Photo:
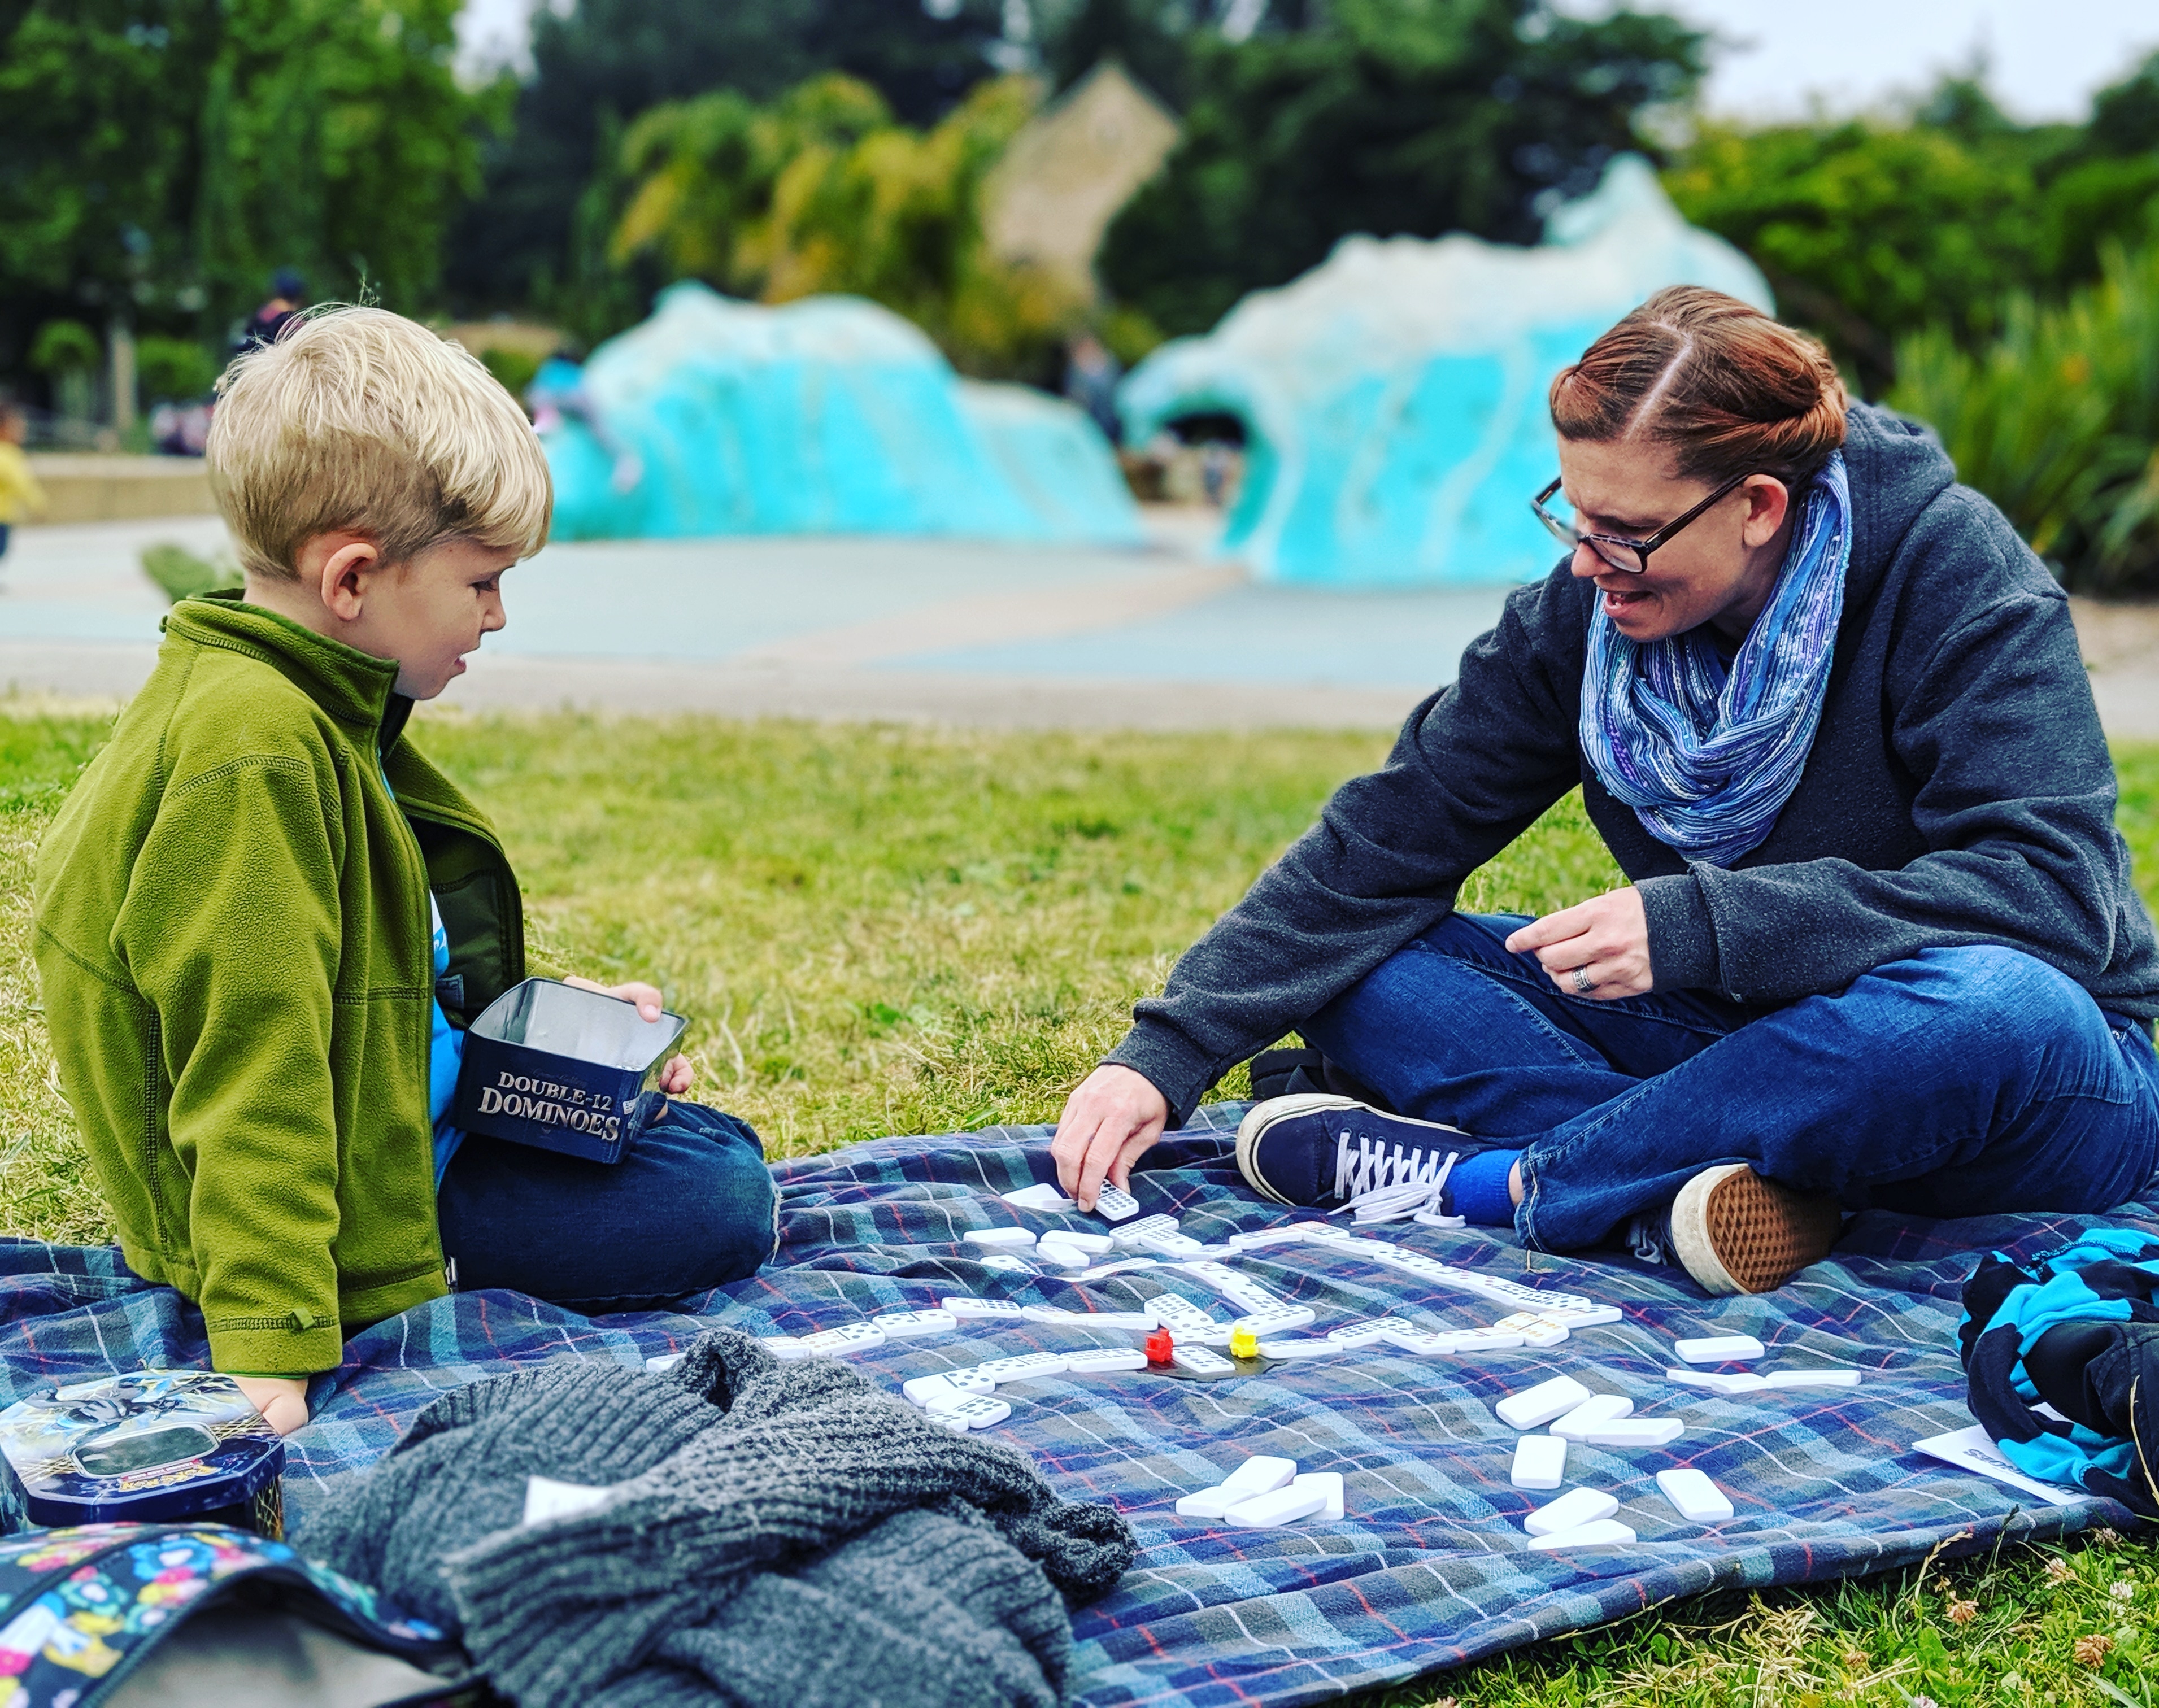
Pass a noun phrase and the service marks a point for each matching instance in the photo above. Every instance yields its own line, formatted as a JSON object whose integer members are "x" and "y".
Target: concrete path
{"x": 859, "y": 629}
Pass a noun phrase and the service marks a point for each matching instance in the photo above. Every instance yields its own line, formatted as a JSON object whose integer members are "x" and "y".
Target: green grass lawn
{"x": 883, "y": 930}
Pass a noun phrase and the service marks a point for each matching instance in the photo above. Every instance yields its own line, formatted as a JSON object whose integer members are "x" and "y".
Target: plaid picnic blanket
{"x": 1428, "y": 1570}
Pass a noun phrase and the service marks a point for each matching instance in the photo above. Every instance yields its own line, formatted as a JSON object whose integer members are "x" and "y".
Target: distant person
{"x": 557, "y": 393}
{"x": 1879, "y": 947}
{"x": 1091, "y": 375}
{"x": 289, "y": 293}
{"x": 21, "y": 498}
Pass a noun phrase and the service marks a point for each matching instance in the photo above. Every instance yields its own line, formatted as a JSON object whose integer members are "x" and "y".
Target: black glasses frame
{"x": 1571, "y": 536}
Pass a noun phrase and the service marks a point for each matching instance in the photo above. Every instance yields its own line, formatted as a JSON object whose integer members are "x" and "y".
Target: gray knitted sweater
{"x": 774, "y": 1534}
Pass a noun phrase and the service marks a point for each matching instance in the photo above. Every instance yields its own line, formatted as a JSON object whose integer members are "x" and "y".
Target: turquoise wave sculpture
{"x": 1393, "y": 398}
{"x": 828, "y": 416}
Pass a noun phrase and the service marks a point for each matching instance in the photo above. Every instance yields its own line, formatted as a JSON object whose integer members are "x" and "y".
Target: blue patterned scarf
{"x": 1707, "y": 758}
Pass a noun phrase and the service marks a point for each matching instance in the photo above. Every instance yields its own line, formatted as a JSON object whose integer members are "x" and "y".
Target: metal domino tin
{"x": 152, "y": 1447}
{"x": 565, "y": 1069}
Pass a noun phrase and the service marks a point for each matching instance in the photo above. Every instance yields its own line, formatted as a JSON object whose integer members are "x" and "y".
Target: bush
{"x": 181, "y": 574}
{"x": 174, "y": 370}
{"x": 513, "y": 369}
{"x": 65, "y": 347}
{"x": 2057, "y": 420}
{"x": 822, "y": 191}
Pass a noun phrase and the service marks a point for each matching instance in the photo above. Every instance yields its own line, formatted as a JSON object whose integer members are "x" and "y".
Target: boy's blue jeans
{"x": 1963, "y": 1082}
{"x": 691, "y": 1207}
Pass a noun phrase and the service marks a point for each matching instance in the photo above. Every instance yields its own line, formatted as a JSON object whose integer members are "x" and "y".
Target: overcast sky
{"x": 2046, "y": 56}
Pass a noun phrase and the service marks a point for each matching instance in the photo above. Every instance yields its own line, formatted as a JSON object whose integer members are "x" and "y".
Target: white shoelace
{"x": 1378, "y": 1187}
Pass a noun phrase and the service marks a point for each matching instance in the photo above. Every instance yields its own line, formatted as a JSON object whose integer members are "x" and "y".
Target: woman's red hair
{"x": 1731, "y": 391}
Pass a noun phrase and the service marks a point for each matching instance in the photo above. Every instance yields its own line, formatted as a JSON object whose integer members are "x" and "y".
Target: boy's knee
{"x": 727, "y": 1205}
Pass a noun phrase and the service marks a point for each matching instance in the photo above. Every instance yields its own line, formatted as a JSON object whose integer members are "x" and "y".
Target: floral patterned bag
{"x": 80, "y": 1609}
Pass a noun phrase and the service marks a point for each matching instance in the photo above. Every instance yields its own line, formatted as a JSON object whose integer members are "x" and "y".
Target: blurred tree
{"x": 1869, "y": 230}
{"x": 823, "y": 191}
{"x": 158, "y": 157}
{"x": 1385, "y": 116}
{"x": 539, "y": 233}
{"x": 2057, "y": 420}
{"x": 1151, "y": 37}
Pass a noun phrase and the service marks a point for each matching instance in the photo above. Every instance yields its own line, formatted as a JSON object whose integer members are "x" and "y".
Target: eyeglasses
{"x": 1631, "y": 556}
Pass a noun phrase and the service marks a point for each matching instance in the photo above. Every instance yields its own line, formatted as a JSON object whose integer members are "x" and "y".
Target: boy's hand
{"x": 674, "y": 1077}
{"x": 282, "y": 1400}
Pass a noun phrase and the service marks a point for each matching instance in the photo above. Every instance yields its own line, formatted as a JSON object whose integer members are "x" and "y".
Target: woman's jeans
{"x": 1963, "y": 1082}
{"x": 690, "y": 1208}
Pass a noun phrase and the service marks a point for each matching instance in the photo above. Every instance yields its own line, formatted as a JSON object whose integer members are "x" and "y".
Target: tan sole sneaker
{"x": 1738, "y": 1233}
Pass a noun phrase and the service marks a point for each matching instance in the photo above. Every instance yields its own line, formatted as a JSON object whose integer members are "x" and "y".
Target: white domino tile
{"x": 1282, "y": 1506}
{"x": 1261, "y": 1472}
{"x": 1718, "y": 1349}
{"x": 834, "y": 1343}
{"x": 1593, "y": 1413}
{"x": 977, "y": 1411}
{"x": 1199, "y": 1361}
{"x": 1576, "y": 1508}
{"x": 1540, "y": 1462}
{"x": 969, "y": 1310}
{"x": 1104, "y": 1362}
{"x": 906, "y": 1325}
{"x": 1329, "y": 1484}
{"x": 1113, "y": 1204}
{"x": 1812, "y": 1378}
{"x": 1095, "y": 1244}
{"x": 1605, "y": 1533}
{"x": 1694, "y": 1497}
{"x": 1129, "y": 1235}
{"x": 1535, "y": 1330}
{"x": 1000, "y": 1239}
{"x": 1536, "y": 1406}
{"x": 1635, "y": 1432}
{"x": 1044, "y": 1195}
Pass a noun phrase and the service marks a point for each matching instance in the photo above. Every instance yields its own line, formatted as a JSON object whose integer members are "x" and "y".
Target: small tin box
{"x": 152, "y": 1446}
{"x": 566, "y": 1069}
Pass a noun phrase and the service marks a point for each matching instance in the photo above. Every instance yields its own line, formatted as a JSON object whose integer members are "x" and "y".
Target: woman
{"x": 1880, "y": 948}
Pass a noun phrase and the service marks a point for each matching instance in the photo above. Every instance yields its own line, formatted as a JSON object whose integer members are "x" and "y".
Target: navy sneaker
{"x": 1316, "y": 1148}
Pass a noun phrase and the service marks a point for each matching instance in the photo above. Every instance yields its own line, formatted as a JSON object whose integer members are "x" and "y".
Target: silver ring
{"x": 1582, "y": 982}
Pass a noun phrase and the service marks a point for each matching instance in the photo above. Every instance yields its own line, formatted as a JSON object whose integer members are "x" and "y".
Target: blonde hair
{"x": 357, "y": 419}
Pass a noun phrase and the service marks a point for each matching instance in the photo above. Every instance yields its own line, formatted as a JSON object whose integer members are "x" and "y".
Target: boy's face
{"x": 429, "y": 613}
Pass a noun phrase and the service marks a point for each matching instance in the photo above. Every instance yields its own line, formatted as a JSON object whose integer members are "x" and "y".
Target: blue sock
{"x": 1478, "y": 1186}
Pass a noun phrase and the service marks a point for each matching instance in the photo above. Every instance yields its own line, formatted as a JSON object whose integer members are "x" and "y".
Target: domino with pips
{"x": 1113, "y": 1204}
{"x": 976, "y": 1411}
{"x": 849, "y": 1337}
{"x": 906, "y": 1325}
{"x": 969, "y": 1310}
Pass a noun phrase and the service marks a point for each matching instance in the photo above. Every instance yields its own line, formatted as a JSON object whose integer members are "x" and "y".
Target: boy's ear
{"x": 345, "y": 575}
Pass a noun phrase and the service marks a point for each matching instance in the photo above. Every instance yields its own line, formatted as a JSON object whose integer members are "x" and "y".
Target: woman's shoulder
{"x": 1914, "y": 526}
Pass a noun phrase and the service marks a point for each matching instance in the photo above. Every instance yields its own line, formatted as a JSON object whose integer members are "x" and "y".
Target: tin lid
{"x": 147, "y": 1443}
{"x": 579, "y": 1026}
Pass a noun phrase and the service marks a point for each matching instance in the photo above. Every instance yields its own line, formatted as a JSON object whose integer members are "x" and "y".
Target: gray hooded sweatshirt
{"x": 1958, "y": 792}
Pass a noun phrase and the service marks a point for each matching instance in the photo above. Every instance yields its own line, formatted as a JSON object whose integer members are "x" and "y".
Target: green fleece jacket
{"x": 233, "y": 936}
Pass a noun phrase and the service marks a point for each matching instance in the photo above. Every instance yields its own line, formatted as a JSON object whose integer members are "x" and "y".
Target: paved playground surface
{"x": 850, "y": 628}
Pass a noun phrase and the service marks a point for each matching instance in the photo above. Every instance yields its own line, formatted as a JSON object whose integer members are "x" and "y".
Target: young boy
{"x": 262, "y": 916}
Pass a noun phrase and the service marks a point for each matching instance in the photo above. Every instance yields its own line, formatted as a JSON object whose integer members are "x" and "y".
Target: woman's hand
{"x": 1108, "y": 1124}
{"x": 282, "y": 1400}
{"x": 1609, "y": 938}
{"x": 674, "y": 1077}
